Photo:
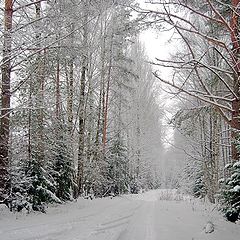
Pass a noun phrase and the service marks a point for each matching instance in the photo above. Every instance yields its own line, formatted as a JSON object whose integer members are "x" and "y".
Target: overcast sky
{"x": 161, "y": 45}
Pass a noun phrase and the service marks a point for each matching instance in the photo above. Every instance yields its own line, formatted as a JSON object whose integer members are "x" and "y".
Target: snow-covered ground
{"x": 154, "y": 215}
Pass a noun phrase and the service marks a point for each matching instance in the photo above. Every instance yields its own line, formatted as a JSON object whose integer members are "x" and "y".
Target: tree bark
{"x": 81, "y": 142}
{"x": 70, "y": 95}
{"x": 70, "y": 81}
{"x": 102, "y": 80}
{"x": 58, "y": 90}
{"x": 39, "y": 95}
{"x": 5, "y": 99}
{"x": 235, "y": 122}
{"x": 105, "y": 122}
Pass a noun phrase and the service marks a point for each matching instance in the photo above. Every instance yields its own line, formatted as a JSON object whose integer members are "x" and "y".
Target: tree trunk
{"x": 58, "y": 90}
{"x": 107, "y": 99}
{"x": 82, "y": 103}
{"x": 89, "y": 140}
{"x": 39, "y": 95}
{"x": 235, "y": 123}
{"x": 102, "y": 81}
{"x": 70, "y": 80}
{"x": 5, "y": 101}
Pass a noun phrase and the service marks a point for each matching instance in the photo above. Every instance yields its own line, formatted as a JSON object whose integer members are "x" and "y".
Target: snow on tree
{"x": 230, "y": 193}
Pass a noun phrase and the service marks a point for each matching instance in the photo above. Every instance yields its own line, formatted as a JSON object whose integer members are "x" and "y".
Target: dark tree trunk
{"x": 70, "y": 96}
{"x": 5, "y": 100}
{"x": 81, "y": 142}
{"x": 235, "y": 122}
{"x": 58, "y": 90}
{"x": 70, "y": 80}
{"x": 105, "y": 121}
{"x": 39, "y": 95}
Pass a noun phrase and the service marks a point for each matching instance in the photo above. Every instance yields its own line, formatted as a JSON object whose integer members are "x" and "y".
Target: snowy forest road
{"x": 147, "y": 216}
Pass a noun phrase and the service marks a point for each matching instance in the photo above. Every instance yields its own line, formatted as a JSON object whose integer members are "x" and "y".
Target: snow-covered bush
{"x": 193, "y": 179}
{"x": 42, "y": 187}
{"x": 170, "y": 195}
{"x": 62, "y": 168}
{"x": 230, "y": 194}
{"x": 118, "y": 176}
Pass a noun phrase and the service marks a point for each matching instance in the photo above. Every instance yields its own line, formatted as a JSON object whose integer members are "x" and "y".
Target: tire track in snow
{"x": 141, "y": 226}
{"x": 112, "y": 228}
{"x": 57, "y": 226}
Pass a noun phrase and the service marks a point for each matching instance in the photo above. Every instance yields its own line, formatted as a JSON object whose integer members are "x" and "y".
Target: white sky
{"x": 157, "y": 45}
{"x": 161, "y": 45}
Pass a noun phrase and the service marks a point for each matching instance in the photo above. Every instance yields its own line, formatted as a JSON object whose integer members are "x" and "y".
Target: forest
{"x": 81, "y": 113}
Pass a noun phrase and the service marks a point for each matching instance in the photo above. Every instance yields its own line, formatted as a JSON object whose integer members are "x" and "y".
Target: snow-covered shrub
{"x": 117, "y": 175}
{"x": 41, "y": 188}
{"x": 230, "y": 194}
{"x": 193, "y": 179}
{"x": 134, "y": 186}
{"x": 170, "y": 195}
{"x": 63, "y": 171}
{"x": 32, "y": 187}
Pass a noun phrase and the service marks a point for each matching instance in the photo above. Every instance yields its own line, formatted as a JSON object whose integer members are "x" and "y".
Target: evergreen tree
{"x": 63, "y": 169}
{"x": 41, "y": 187}
{"x": 230, "y": 194}
{"x": 118, "y": 167}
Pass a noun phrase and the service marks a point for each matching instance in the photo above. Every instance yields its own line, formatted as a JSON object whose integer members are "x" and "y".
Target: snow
{"x": 236, "y": 164}
{"x": 153, "y": 215}
{"x": 229, "y": 165}
{"x": 49, "y": 193}
{"x": 236, "y": 188}
{"x": 209, "y": 227}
